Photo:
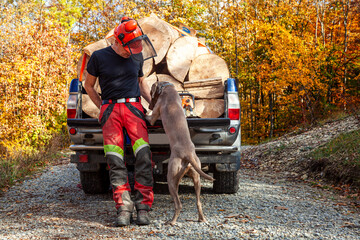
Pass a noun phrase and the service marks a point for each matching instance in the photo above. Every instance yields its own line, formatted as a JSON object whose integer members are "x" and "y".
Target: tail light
{"x": 233, "y": 106}
{"x": 72, "y": 131}
{"x": 71, "y": 106}
{"x": 232, "y": 130}
{"x": 71, "y": 113}
{"x": 234, "y": 114}
{"x": 73, "y": 98}
{"x": 83, "y": 158}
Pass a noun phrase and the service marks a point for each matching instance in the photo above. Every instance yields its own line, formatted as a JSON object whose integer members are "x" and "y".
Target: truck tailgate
{"x": 192, "y": 122}
{"x": 209, "y": 132}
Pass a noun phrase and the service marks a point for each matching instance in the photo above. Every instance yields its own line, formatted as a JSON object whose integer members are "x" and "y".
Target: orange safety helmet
{"x": 132, "y": 38}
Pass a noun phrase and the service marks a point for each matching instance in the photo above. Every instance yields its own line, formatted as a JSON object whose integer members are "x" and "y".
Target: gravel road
{"x": 51, "y": 205}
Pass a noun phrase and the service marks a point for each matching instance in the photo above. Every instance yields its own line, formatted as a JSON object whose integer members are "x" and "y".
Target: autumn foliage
{"x": 296, "y": 61}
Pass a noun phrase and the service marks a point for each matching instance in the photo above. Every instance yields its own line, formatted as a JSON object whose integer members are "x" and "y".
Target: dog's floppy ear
{"x": 157, "y": 85}
{"x": 154, "y": 93}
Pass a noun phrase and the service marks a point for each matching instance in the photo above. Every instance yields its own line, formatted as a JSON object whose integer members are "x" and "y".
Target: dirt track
{"x": 52, "y": 206}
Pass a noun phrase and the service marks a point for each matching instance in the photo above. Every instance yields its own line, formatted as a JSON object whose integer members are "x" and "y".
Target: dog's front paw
{"x": 172, "y": 223}
{"x": 202, "y": 219}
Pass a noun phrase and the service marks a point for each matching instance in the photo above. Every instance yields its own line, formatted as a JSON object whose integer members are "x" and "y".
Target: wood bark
{"x": 206, "y": 88}
{"x": 96, "y": 46}
{"x": 187, "y": 29}
{"x": 110, "y": 37}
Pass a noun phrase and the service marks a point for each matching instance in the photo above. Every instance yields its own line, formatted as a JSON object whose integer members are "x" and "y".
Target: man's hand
{"x": 89, "y": 87}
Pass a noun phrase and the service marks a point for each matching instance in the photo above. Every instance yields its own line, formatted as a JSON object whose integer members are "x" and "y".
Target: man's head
{"x": 128, "y": 34}
{"x": 119, "y": 49}
{"x": 131, "y": 37}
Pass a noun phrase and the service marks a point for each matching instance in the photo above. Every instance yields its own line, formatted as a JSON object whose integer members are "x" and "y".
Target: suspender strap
{"x": 135, "y": 111}
{"x": 106, "y": 114}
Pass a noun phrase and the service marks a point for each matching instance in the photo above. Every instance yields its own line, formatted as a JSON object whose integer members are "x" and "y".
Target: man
{"x": 119, "y": 69}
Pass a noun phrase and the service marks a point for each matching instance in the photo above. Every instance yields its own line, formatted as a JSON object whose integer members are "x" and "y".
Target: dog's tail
{"x": 198, "y": 169}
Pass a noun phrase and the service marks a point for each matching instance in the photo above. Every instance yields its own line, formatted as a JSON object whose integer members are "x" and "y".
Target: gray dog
{"x": 166, "y": 103}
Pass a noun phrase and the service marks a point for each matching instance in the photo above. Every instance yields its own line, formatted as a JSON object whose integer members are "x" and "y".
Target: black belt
{"x": 121, "y": 100}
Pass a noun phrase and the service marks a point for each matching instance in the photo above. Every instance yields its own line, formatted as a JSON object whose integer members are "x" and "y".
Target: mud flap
{"x": 232, "y": 166}
{"x": 88, "y": 167}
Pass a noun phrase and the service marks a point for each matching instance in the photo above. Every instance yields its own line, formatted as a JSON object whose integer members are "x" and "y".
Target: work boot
{"x": 142, "y": 217}
{"x": 123, "y": 218}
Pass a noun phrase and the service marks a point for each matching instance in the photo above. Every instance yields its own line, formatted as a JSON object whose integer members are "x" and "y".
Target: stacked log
{"x": 182, "y": 59}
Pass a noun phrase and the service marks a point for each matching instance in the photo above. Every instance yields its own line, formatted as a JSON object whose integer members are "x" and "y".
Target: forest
{"x": 296, "y": 61}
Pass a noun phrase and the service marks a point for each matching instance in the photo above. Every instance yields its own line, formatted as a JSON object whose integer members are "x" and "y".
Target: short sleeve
{"x": 93, "y": 66}
{"x": 141, "y": 73}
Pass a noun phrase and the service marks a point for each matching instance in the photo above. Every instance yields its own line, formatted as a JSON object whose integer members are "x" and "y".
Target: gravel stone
{"x": 51, "y": 205}
{"x": 272, "y": 202}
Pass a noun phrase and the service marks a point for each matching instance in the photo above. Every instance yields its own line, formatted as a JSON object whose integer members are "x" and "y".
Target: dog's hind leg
{"x": 197, "y": 185}
{"x": 195, "y": 162}
{"x": 175, "y": 172}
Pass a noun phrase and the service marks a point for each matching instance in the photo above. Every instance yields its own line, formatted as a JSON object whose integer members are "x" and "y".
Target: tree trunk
{"x": 209, "y": 108}
{"x": 208, "y": 66}
{"x": 160, "y": 34}
{"x": 206, "y": 88}
{"x": 89, "y": 107}
{"x": 201, "y": 50}
{"x": 96, "y": 46}
{"x": 148, "y": 67}
{"x": 271, "y": 116}
{"x": 180, "y": 55}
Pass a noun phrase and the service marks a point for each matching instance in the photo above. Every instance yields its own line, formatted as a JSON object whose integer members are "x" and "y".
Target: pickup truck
{"x": 217, "y": 143}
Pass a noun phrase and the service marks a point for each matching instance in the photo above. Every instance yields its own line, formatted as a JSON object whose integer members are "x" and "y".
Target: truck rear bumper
{"x": 227, "y": 149}
{"x": 223, "y": 162}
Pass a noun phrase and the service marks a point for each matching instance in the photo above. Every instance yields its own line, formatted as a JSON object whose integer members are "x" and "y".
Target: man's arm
{"x": 89, "y": 87}
{"x": 144, "y": 89}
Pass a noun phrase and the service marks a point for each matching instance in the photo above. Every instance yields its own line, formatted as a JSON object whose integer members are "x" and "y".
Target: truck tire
{"x": 95, "y": 182}
{"x": 226, "y": 182}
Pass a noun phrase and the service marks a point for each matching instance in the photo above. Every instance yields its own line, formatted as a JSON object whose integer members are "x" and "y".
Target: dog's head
{"x": 156, "y": 90}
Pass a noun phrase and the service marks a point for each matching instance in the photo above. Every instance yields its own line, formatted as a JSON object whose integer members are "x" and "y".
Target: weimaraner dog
{"x": 166, "y": 103}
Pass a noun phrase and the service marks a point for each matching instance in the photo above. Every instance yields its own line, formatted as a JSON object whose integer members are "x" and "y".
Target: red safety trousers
{"x": 114, "y": 118}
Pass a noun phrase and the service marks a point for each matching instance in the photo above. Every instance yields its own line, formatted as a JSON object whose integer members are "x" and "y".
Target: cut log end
{"x": 180, "y": 56}
{"x": 208, "y": 66}
{"x": 209, "y": 108}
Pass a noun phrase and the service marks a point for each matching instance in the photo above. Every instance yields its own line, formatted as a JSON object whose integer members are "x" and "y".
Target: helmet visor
{"x": 141, "y": 44}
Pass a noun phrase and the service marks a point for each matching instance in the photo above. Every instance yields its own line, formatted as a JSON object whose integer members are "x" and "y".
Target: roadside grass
{"x": 18, "y": 166}
{"x": 338, "y": 161}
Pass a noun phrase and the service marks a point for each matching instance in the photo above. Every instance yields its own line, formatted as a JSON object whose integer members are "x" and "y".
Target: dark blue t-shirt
{"x": 118, "y": 76}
